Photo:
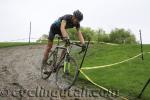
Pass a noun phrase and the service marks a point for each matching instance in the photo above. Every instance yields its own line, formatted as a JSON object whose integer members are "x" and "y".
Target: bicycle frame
{"x": 64, "y": 64}
{"x": 64, "y": 55}
{"x": 66, "y": 50}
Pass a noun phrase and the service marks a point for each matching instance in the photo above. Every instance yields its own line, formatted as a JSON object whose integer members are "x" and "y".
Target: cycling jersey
{"x": 55, "y": 27}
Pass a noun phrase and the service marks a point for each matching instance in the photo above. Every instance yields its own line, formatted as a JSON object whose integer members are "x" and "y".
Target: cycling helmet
{"x": 78, "y": 15}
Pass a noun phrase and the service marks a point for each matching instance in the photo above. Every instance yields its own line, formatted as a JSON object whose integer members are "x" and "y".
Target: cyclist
{"x": 59, "y": 27}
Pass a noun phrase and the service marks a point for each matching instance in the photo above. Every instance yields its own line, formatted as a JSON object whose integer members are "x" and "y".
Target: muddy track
{"x": 20, "y": 76}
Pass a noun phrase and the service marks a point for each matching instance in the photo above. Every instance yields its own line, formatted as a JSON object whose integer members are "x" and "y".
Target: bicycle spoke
{"x": 67, "y": 74}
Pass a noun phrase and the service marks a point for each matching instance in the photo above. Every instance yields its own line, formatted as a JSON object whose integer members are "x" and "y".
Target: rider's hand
{"x": 83, "y": 47}
{"x": 65, "y": 39}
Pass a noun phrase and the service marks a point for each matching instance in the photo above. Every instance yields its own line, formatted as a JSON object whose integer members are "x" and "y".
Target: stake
{"x": 30, "y": 32}
{"x": 143, "y": 89}
{"x": 141, "y": 45}
{"x": 85, "y": 53}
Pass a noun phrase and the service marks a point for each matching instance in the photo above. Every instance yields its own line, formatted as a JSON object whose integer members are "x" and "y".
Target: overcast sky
{"x": 15, "y": 16}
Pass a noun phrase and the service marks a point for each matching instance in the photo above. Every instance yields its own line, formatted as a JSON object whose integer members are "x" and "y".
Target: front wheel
{"x": 67, "y": 73}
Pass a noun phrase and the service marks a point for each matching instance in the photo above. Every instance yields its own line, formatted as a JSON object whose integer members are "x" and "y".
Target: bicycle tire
{"x": 53, "y": 58}
{"x": 60, "y": 79}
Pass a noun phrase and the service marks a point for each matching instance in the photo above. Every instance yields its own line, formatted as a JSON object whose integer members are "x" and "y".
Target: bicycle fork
{"x": 66, "y": 65}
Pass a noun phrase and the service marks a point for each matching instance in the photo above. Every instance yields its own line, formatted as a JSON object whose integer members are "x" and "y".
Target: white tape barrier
{"x": 86, "y": 68}
{"x": 101, "y": 86}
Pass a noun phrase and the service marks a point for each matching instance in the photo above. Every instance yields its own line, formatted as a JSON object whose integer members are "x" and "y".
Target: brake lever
{"x": 81, "y": 51}
{"x": 78, "y": 44}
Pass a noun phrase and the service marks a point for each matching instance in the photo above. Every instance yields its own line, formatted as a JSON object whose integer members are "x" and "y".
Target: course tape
{"x": 100, "y": 86}
{"x": 86, "y": 68}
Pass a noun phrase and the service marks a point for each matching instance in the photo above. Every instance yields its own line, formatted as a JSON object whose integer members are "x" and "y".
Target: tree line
{"x": 117, "y": 35}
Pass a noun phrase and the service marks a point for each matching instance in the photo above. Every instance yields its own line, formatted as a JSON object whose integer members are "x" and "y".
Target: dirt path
{"x": 20, "y": 76}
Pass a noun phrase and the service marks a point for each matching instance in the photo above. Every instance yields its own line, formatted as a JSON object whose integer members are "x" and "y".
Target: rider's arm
{"x": 80, "y": 36}
{"x": 62, "y": 28}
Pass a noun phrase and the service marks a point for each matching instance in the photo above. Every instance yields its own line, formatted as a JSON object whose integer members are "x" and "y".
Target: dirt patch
{"x": 20, "y": 76}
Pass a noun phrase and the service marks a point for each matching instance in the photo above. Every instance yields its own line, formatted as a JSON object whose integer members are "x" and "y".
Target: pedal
{"x": 47, "y": 72}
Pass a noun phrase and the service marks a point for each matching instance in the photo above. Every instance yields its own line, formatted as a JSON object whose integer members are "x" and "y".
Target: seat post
{"x": 58, "y": 38}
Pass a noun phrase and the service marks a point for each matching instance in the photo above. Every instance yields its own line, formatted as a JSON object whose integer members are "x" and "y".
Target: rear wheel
{"x": 67, "y": 73}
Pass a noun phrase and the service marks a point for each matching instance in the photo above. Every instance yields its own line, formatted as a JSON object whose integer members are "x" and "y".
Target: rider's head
{"x": 78, "y": 16}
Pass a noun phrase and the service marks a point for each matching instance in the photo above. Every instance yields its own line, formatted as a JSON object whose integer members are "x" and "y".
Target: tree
{"x": 72, "y": 33}
{"x": 86, "y": 31}
{"x": 122, "y": 36}
{"x": 44, "y": 37}
{"x": 102, "y": 36}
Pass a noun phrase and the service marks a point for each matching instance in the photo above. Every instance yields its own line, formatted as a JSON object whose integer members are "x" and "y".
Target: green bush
{"x": 86, "y": 31}
{"x": 101, "y": 36}
{"x": 122, "y": 36}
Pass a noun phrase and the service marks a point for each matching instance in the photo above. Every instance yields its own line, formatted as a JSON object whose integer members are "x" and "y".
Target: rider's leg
{"x": 49, "y": 45}
{"x": 47, "y": 50}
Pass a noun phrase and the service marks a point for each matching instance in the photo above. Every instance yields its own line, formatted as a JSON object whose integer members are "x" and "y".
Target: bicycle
{"x": 66, "y": 67}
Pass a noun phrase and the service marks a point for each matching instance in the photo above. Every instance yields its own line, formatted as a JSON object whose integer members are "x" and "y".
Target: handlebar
{"x": 74, "y": 43}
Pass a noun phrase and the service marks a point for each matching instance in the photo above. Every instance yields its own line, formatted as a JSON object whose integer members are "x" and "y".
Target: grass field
{"x": 128, "y": 77}
{"x": 12, "y": 44}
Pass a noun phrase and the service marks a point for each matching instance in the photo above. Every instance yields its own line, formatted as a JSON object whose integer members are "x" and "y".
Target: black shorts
{"x": 53, "y": 31}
